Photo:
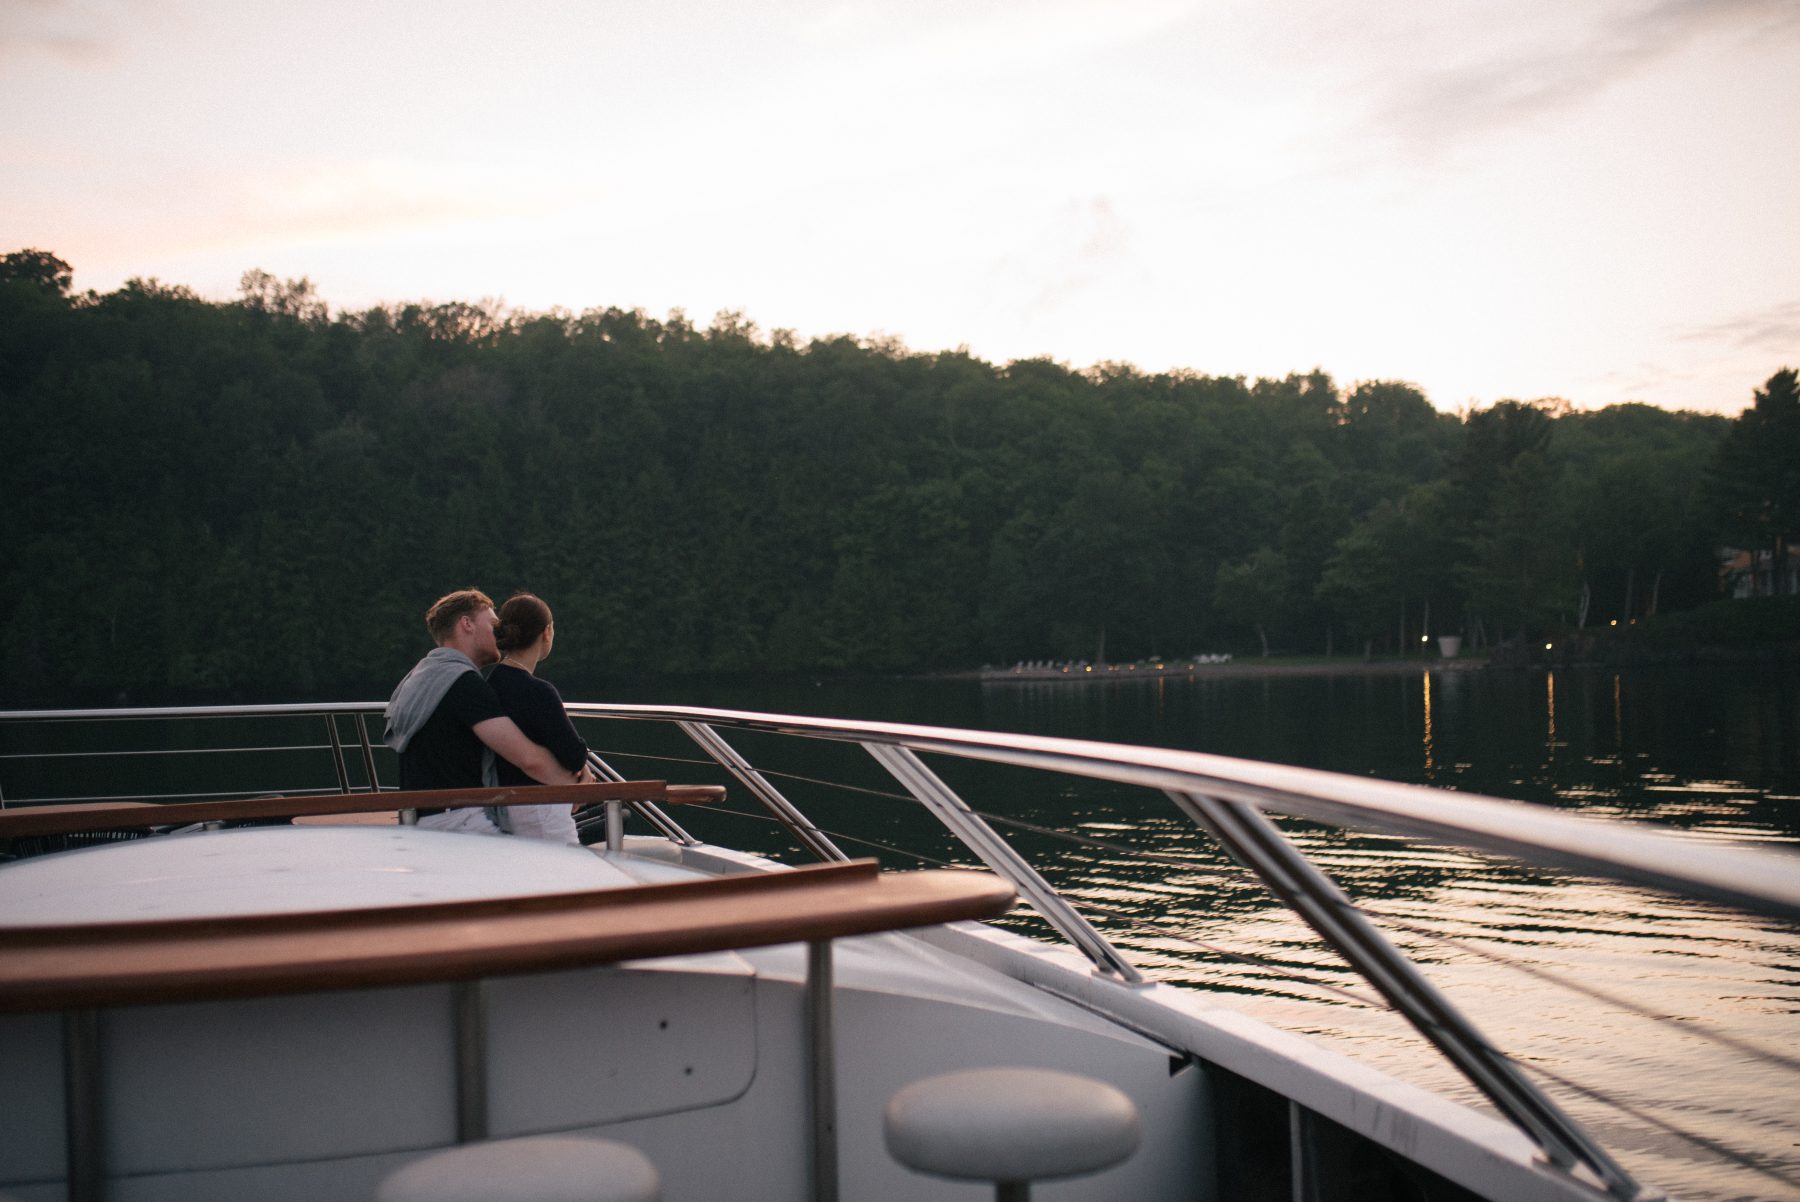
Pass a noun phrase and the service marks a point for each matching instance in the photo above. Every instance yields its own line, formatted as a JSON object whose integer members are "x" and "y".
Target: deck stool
{"x": 1011, "y": 1126}
{"x": 541, "y": 1168}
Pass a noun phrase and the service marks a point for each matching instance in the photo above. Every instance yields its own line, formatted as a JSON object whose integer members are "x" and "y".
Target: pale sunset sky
{"x": 1598, "y": 201}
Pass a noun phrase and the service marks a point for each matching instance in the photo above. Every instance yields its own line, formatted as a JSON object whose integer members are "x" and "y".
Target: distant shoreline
{"x": 1582, "y": 657}
{"x": 1235, "y": 668}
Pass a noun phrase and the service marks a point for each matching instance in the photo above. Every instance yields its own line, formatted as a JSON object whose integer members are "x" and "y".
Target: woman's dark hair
{"x": 522, "y": 620}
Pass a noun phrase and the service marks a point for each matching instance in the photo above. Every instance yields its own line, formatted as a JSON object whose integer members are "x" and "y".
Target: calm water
{"x": 1715, "y": 753}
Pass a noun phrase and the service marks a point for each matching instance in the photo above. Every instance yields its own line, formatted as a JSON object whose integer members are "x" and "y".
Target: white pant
{"x": 553, "y": 822}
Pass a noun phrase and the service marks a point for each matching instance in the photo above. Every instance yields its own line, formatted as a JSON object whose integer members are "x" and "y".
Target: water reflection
{"x": 1430, "y": 762}
{"x": 1550, "y": 743}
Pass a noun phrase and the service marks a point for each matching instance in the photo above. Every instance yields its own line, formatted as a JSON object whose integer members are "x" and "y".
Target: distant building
{"x": 1759, "y": 573}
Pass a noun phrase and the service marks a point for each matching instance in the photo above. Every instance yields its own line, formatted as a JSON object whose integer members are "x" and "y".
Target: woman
{"x": 524, "y": 636}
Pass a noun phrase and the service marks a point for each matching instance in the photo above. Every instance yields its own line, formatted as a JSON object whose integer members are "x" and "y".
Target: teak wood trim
{"x": 109, "y": 816}
{"x": 175, "y": 960}
{"x": 693, "y": 795}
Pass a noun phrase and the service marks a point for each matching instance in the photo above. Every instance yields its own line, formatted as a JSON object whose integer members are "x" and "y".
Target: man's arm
{"x": 506, "y": 740}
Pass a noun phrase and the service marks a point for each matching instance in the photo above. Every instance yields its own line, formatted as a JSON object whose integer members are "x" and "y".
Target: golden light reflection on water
{"x": 1430, "y": 762}
{"x": 1550, "y": 712}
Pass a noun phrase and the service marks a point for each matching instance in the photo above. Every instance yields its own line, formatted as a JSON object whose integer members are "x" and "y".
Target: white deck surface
{"x": 276, "y": 870}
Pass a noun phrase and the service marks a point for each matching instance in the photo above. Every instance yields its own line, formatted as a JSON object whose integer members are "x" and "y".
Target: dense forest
{"x": 259, "y": 496}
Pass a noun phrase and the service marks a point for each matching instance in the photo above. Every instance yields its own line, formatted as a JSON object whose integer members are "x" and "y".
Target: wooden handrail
{"x": 172, "y": 960}
{"x": 110, "y": 816}
{"x": 694, "y": 795}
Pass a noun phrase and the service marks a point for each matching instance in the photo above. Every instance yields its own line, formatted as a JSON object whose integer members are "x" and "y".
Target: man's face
{"x": 485, "y": 650}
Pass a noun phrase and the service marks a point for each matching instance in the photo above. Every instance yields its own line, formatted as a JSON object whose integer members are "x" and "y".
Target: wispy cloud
{"x": 983, "y": 39}
{"x": 1086, "y": 243}
{"x": 77, "y": 31}
{"x": 1555, "y": 66}
{"x": 1774, "y": 329}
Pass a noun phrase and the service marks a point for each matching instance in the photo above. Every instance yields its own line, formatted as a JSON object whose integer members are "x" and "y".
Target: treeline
{"x": 260, "y": 496}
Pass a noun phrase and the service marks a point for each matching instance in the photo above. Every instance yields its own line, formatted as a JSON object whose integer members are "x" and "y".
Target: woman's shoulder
{"x": 518, "y": 682}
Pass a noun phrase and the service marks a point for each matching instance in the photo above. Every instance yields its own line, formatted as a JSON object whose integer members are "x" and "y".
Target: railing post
{"x": 1259, "y": 845}
{"x": 797, "y": 823}
{"x": 368, "y": 752}
{"x": 999, "y": 855}
{"x": 650, "y": 812}
{"x": 337, "y": 753}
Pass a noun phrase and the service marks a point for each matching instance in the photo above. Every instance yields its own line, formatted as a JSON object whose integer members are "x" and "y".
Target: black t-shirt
{"x": 538, "y": 709}
{"x": 445, "y": 754}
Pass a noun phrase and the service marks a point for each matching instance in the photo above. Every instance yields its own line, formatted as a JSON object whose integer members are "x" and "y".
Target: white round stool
{"x": 1011, "y": 1126}
{"x": 541, "y": 1168}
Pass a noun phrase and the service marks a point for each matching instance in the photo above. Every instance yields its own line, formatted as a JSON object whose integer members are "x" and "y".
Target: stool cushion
{"x": 1010, "y": 1124}
{"x": 542, "y": 1168}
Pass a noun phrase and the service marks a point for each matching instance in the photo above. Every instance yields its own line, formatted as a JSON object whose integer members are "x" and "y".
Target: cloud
{"x": 982, "y": 39}
{"x": 76, "y": 31}
{"x": 1548, "y": 67}
{"x": 1083, "y": 244}
{"x": 1774, "y": 330}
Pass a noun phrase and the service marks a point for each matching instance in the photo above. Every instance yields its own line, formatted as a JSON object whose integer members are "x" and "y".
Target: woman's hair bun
{"x": 523, "y": 620}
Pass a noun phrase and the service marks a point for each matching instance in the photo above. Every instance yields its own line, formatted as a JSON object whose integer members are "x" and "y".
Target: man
{"x": 443, "y": 715}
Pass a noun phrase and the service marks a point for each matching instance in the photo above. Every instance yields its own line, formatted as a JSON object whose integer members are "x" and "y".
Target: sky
{"x": 1523, "y": 199}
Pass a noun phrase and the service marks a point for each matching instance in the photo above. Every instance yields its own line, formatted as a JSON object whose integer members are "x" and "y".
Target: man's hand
{"x": 586, "y": 775}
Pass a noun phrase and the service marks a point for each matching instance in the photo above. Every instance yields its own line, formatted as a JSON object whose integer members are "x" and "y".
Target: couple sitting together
{"x": 456, "y": 729}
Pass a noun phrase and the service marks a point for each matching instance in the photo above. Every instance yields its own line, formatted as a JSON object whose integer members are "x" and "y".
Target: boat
{"x": 227, "y": 986}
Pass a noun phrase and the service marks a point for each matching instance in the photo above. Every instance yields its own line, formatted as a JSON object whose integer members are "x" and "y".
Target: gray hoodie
{"x": 416, "y": 698}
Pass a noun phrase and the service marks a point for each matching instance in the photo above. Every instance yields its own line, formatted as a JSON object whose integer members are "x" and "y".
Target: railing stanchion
{"x": 337, "y": 753}
{"x": 368, "y": 752}
{"x": 665, "y": 826}
{"x": 650, "y": 812}
{"x": 615, "y": 826}
{"x": 797, "y": 823}
{"x": 999, "y": 855}
{"x": 1259, "y": 845}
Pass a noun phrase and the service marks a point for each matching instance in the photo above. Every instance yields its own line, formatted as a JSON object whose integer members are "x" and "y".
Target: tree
{"x": 1254, "y": 591}
{"x": 37, "y": 269}
{"x": 1522, "y": 570}
{"x": 263, "y": 293}
{"x": 1631, "y": 487}
{"x": 1756, "y": 475}
{"x": 716, "y": 500}
{"x": 1493, "y": 440}
{"x": 1401, "y": 551}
